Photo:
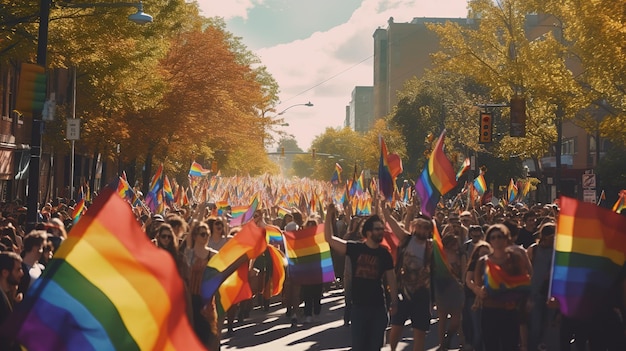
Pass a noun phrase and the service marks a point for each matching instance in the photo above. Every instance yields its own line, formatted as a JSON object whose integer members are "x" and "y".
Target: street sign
{"x": 589, "y": 181}
{"x": 589, "y": 195}
{"x": 73, "y": 129}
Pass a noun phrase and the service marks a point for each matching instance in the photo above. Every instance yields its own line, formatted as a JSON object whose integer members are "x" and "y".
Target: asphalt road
{"x": 273, "y": 331}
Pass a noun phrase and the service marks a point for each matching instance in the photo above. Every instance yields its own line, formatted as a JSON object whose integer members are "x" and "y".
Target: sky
{"x": 318, "y": 50}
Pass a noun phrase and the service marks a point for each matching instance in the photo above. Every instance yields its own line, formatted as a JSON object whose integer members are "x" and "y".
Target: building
{"x": 360, "y": 112}
{"x": 402, "y": 51}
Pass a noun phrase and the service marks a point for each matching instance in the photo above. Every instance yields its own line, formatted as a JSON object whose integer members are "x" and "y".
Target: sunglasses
{"x": 203, "y": 234}
{"x": 165, "y": 236}
{"x": 378, "y": 228}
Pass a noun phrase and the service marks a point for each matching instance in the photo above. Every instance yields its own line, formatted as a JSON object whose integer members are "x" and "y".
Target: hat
{"x": 158, "y": 218}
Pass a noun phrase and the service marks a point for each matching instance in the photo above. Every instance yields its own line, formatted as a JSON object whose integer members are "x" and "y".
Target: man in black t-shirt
{"x": 525, "y": 236}
{"x": 370, "y": 263}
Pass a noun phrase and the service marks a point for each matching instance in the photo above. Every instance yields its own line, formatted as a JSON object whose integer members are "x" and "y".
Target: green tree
{"x": 498, "y": 52}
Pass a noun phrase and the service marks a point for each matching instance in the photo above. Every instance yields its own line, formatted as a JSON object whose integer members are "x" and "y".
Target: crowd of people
{"x": 383, "y": 287}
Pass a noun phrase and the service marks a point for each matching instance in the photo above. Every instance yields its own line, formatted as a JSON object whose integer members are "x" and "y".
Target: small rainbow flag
{"x": 480, "y": 184}
{"x": 436, "y": 179}
{"x": 442, "y": 274}
{"x": 222, "y": 207}
{"x": 274, "y": 235}
{"x": 241, "y": 219}
{"x": 464, "y": 167}
{"x": 589, "y": 253}
{"x": 389, "y": 167}
{"x": 197, "y": 170}
{"x": 168, "y": 193}
{"x": 336, "y": 177}
{"x": 512, "y": 191}
{"x": 79, "y": 208}
{"x": 308, "y": 256}
{"x": 497, "y": 281}
{"x": 157, "y": 180}
{"x": 123, "y": 189}
{"x": 107, "y": 288}
{"x": 620, "y": 204}
{"x": 282, "y": 212}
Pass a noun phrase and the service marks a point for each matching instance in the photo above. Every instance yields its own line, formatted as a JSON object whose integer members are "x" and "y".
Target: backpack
{"x": 400, "y": 259}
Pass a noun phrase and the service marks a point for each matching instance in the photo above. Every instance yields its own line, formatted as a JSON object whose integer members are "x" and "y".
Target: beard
{"x": 377, "y": 238}
{"x": 12, "y": 281}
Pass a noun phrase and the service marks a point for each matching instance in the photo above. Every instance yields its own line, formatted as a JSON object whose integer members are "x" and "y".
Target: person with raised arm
{"x": 370, "y": 264}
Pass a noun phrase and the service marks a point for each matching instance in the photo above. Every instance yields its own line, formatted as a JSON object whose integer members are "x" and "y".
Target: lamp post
{"x": 308, "y": 104}
{"x": 32, "y": 200}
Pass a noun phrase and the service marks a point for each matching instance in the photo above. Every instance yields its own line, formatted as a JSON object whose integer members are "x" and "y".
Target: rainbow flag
{"x": 620, "y": 204}
{"x": 274, "y": 235}
{"x": 222, "y": 207}
{"x": 123, "y": 189}
{"x": 389, "y": 167}
{"x": 590, "y": 250}
{"x": 79, "y": 208}
{"x": 247, "y": 244}
{"x": 107, "y": 288}
{"x": 234, "y": 289}
{"x": 308, "y": 256}
{"x": 197, "y": 170}
{"x": 464, "y": 167}
{"x": 497, "y": 281}
{"x": 442, "y": 274}
{"x": 244, "y": 217}
{"x": 436, "y": 179}
{"x": 512, "y": 191}
{"x": 480, "y": 184}
{"x": 157, "y": 180}
{"x": 278, "y": 270}
{"x": 336, "y": 177}
{"x": 167, "y": 190}
{"x": 526, "y": 188}
{"x": 282, "y": 212}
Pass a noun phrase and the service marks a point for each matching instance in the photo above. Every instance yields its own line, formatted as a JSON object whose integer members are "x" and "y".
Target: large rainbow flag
{"x": 247, "y": 244}
{"x": 308, "y": 256}
{"x": 436, "y": 179}
{"x": 590, "y": 250}
{"x": 107, "y": 288}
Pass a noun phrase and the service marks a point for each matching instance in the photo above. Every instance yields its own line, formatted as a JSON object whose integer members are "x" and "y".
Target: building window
{"x": 568, "y": 146}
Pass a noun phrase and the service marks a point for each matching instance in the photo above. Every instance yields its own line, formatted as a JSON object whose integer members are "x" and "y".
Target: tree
{"x": 349, "y": 149}
{"x": 593, "y": 31}
{"x": 499, "y": 53}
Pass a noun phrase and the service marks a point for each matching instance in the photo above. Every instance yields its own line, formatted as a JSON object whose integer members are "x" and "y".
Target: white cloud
{"x": 325, "y": 67}
{"x": 227, "y": 9}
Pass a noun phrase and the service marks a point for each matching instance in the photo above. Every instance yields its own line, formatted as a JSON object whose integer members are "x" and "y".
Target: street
{"x": 272, "y": 330}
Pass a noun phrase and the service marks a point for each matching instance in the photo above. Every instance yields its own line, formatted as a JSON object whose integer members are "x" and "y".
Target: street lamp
{"x": 32, "y": 201}
{"x": 308, "y": 104}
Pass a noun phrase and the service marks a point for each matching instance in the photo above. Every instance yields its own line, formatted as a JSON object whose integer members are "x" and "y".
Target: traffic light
{"x": 518, "y": 116}
{"x": 282, "y": 152}
{"x": 31, "y": 89}
{"x": 486, "y": 127}
{"x": 313, "y": 152}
